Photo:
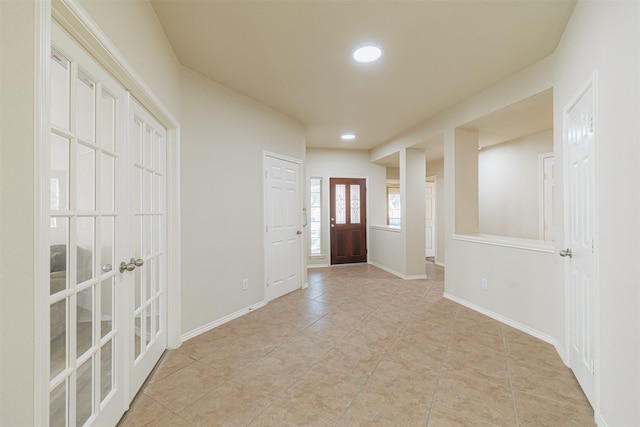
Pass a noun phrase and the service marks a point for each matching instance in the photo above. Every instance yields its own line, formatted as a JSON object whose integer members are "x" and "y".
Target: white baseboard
{"x": 441, "y": 264}
{"x": 209, "y": 326}
{"x": 317, "y": 265}
{"x": 398, "y": 274}
{"x": 519, "y": 326}
{"x": 600, "y": 422}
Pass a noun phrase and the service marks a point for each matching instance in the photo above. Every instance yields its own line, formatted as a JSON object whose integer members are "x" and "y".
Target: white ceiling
{"x": 295, "y": 56}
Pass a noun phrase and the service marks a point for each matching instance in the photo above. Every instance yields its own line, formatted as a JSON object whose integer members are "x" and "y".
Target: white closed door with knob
{"x": 580, "y": 193}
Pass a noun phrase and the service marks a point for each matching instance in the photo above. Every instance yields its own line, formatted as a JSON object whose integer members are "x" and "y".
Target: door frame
{"x": 72, "y": 17}
{"x": 541, "y": 193}
{"x": 302, "y": 221}
{"x": 591, "y": 83}
{"x": 434, "y": 179}
{"x": 326, "y": 192}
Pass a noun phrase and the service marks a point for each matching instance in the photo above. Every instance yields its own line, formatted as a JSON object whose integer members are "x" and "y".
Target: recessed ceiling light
{"x": 348, "y": 136}
{"x": 367, "y": 52}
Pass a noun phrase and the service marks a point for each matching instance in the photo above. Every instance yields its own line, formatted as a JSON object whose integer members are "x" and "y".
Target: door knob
{"x": 298, "y": 232}
{"x": 138, "y": 262}
{"x": 566, "y": 252}
{"x": 128, "y": 267}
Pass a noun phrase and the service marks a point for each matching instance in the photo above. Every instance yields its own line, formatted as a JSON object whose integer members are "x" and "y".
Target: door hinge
{"x": 266, "y": 228}
{"x": 593, "y": 367}
{"x": 591, "y": 124}
{"x": 593, "y": 247}
{"x": 265, "y": 174}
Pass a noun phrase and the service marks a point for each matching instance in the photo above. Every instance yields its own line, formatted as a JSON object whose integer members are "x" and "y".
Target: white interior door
{"x": 579, "y": 141}
{"x": 87, "y": 236}
{"x": 283, "y": 226}
{"x": 430, "y": 213}
{"x": 147, "y": 216}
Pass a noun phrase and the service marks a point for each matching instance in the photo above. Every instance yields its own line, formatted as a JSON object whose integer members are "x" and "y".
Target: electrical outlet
{"x": 483, "y": 284}
{"x": 245, "y": 283}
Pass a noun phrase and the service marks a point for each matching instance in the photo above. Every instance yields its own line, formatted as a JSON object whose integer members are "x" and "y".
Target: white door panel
{"x": 579, "y": 140}
{"x": 283, "y": 228}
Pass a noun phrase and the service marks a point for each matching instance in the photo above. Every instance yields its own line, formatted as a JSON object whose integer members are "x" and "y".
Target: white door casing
{"x": 579, "y": 139}
{"x": 430, "y": 214}
{"x": 283, "y": 226}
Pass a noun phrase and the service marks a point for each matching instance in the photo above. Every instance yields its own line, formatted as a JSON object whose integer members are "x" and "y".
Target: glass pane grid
{"x": 315, "y": 218}
{"x": 340, "y": 204}
{"x": 355, "y": 203}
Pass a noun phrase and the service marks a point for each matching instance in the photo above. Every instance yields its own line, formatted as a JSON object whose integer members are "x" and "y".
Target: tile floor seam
{"x": 440, "y": 371}
{"x": 513, "y": 394}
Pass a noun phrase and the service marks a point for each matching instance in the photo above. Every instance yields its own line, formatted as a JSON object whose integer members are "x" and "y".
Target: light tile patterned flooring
{"x": 360, "y": 347}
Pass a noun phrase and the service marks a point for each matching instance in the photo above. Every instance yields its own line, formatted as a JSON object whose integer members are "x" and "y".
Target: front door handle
{"x": 566, "y": 252}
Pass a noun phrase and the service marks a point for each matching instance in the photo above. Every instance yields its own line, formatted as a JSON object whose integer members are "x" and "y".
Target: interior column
{"x": 412, "y": 196}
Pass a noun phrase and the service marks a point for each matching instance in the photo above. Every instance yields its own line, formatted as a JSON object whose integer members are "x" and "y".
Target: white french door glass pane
{"x": 106, "y": 306}
{"x": 156, "y": 187}
{"x": 60, "y": 77}
{"x": 85, "y": 234}
{"x": 84, "y": 392}
{"x": 58, "y": 255}
{"x": 148, "y": 333}
{"x": 107, "y": 179}
{"x": 147, "y": 235}
{"x": 147, "y": 191}
{"x": 148, "y": 148}
{"x": 58, "y": 340}
{"x": 137, "y": 332}
{"x": 85, "y": 107}
{"x": 136, "y": 188}
{"x": 106, "y": 369}
{"x": 149, "y": 278}
{"x": 107, "y": 121}
{"x": 58, "y": 406}
{"x": 137, "y": 288}
{"x": 136, "y": 140}
{"x": 107, "y": 241}
{"x": 156, "y": 310}
{"x": 355, "y": 204}
{"x": 341, "y": 210}
{"x": 84, "y": 321}
{"x": 156, "y": 233}
{"x": 59, "y": 174}
{"x": 85, "y": 178}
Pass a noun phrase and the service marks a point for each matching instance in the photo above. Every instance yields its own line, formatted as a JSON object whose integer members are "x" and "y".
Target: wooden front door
{"x": 348, "y": 220}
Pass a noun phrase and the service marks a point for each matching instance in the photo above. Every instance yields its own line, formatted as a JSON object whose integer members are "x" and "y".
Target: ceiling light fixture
{"x": 367, "y": 52}
{"x": 348, "y": 136}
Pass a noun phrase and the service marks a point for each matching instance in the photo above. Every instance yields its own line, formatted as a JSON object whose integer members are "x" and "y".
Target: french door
{"x": 105, "y": 250}
{"x": 348, "y": 224}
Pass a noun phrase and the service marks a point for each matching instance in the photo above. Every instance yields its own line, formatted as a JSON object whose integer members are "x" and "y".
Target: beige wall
{"x": 508, "y": 186}
{"x": 606, "y": 36}
{"x": 224, "y": 135}
{"x": 134, "y": 28}
{"x": 17, "y": 287}
{"x": 325, "y": 164}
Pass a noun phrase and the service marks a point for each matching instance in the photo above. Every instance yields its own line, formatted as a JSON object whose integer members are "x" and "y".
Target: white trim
{"x": 509, "y": 242}
{"x": 317, "y": 265}
{"x": 396, "y": 273}
{"x": 434, "y": 179}
{"x": 41, "y": 223}
{"x": 441, "y": 264}
{"x": 386, "y": 228}
{"x": 211, "y": 325}
{"x": 541, "y": 206}
{"x": 517, "y": 325}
